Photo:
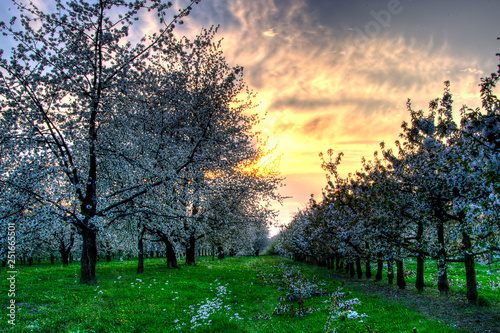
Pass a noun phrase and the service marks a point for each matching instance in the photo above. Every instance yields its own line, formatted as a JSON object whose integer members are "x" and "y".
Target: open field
{"x": 239, "y": 294}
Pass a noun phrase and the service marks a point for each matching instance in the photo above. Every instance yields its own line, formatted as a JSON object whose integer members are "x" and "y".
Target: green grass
{"x": 242, "y": 292}
{"x": 488, "y": 281}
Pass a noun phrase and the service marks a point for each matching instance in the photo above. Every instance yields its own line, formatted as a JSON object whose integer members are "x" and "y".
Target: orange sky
{"x": 322, "y": 86}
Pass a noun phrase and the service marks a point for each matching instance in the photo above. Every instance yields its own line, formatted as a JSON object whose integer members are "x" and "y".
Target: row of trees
{"x": 435, "y": 196}
{"x": 110, "y": 140}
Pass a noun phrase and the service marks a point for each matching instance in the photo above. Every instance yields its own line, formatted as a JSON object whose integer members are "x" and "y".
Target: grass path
{"x": 234, "y": 295}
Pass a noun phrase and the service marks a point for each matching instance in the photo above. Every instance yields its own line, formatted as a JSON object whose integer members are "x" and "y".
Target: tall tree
{"x": 59, "y": 87}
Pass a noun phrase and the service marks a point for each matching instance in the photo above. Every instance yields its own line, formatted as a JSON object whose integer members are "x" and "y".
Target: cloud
{"x": 322, "y": 88}
{"x": 269, "y": 33}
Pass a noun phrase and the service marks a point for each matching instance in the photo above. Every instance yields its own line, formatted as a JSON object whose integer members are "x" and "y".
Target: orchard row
{"x": 435, "y": 196}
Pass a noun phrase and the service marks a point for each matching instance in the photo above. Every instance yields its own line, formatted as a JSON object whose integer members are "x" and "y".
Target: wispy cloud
{"x": 322, "y": 88}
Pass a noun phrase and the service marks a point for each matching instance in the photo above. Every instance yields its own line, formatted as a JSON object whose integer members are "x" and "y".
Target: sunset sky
{"x": 337, "y": 73}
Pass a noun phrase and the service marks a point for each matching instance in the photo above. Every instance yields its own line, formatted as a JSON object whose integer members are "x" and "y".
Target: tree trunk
{"x": 419, "y": 284}
{"x": 64, "y": 256}
{"x": 400, "y": 278}
{"x": 140, "y": 250}
{"x": 213, "y": 253}
{"x": 470, "y": 272}
{"x": 52, "y": 259}
{"x": 390, "y": 271}
{"x": 368, "y": 269}
{"x": 380, "y": 270}
{"x": 171, "y": 258}
{"x": 30, "y": 261}
{"x": 220, "y": 251}
{"x": 358, "y": 268}
{"x": 338, "y": 263}
{"x": 89, "y": 257}
{"x": 108, "y": 256}
{"x": 190, "y": 251}
{"x": 352, "y": 271}
{"x": 443, "y": 285}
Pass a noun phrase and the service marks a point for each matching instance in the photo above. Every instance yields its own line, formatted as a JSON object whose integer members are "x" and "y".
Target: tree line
{"x": 436, "y": 195}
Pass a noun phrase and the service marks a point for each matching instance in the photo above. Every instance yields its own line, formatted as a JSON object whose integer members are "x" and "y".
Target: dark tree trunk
{"x": 30, "y": 261}
{"x": 108, "y": 257}
{"x": 368, "y": 269}
{"x": 70, "y": 258}
{"x": 220, "y": 251}
{"x": 443, "y": 285}
{"x": 213, "y": 253}
{"x": 140, "y": 250}
{"x": 89, "y": 257}
{"x": 400, "y": 278}
{"x": 171, "y": 258}
{"x": 52, "y": 259}
{"x": 419, "y": 284}
{"x": 64, "y": 256}
{"x": 380, "y": 270}
{"x": 358, "y": 268}
{"x": 470, "y": 272}
{"x": 352, "y": 271}
{"x": 190, "y": 251}
{"x": 390, "y": 271}
{"x": 338, "y": 263}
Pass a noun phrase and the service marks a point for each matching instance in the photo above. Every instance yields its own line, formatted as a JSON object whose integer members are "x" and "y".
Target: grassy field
{"x": 239, "y": 294}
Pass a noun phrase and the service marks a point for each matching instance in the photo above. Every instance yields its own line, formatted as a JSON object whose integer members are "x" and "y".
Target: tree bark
{"x": 140, "y": 249}
{"x": 443, "y": 285}
{"x": 352, "y": 271}
{"x": 89, "y": 257}
{"x": 220, "y": 251}
{"x": 358, "y": 268}
{"x": 368, "y": 269}
{"x": 171, "y": 258}
{"x": 470, "y": 272}
{"x": 390, "y": 271}
{"x": 380, "y": 270}
{"x": 400, "y": 278}
{"x": 419, "y": 283}
{"x": 190, "y": 251}
{"x": 64, "y": 256}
